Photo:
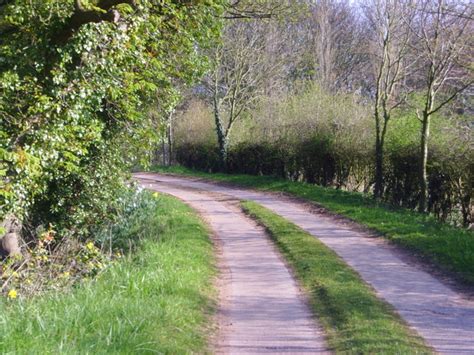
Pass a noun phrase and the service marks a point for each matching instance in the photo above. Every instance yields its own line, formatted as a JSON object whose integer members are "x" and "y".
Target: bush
{"x": 316, "y": 161}
{"x": 56, "y": 260}
{"x": 74, "y": 102}
{"x": 328, "y": 140}
{"x": 198, "y": 156}
{"x": 257, "y": 159}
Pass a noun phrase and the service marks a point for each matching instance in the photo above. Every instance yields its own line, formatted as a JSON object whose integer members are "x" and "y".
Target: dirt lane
{"x": 262, "y": 310}
{"x": 442, "y": 316}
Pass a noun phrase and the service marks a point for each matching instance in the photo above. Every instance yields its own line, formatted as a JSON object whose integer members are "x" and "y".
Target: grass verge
{"x": 157, "y": 300}
{"x": 354, "y": 319}
{"x": 448, "y": 247}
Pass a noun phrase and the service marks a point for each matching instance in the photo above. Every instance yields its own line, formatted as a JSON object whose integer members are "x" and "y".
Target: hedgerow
{"x": 77, "y": 80}
{"x": 327, "y": 139}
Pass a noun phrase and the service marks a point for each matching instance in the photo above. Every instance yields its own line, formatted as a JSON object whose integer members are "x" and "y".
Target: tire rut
{"x": 442, "y": 316}
{"x": 261, "y": 308}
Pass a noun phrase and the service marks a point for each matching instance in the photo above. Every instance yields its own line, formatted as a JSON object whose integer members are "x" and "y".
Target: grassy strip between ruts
{"x": 355, "y": 320}
{"x": 157, "y": 300}
{"x": 449, "y": 247}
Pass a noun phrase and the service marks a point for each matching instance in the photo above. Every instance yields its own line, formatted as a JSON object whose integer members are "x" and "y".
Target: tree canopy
{"x": 76, "y": 78}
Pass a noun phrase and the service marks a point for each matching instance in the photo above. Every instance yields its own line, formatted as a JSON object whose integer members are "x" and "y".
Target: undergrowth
{"x": 154, "y": 299}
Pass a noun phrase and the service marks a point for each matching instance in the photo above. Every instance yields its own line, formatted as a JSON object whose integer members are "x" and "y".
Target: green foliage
{"x": 155, "y": 300}
{"x": 355, "y": 320}
{"x": 55, "y": 262}
{"x": 73, "y": 101}
{"x": 450, "y": 166}
{"x": 327, "y": 139}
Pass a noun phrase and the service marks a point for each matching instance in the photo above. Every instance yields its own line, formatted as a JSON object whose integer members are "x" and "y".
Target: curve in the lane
{"x": 263, "y": 311}
{"x": 443, "y": 317}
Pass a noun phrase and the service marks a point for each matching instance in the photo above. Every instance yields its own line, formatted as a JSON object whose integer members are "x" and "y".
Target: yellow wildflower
{"x": 156, "y": 194}
{"x": 90, "y": 246}
{"x": 12, "y": 294}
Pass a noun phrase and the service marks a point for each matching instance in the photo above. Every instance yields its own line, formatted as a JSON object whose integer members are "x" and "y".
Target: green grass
{"x": 157, "y": 300}
{"x": 354, "y": 319}
{"x": 450, "y": 248}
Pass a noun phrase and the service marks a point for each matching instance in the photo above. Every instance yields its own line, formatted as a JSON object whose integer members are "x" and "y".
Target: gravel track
{"x": 261, "y": 308}
{"x": 443, "y": 317}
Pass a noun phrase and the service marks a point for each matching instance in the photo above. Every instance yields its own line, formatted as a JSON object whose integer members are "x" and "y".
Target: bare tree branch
{"x": 103, "y": 12}
{"x": 239, "y": 9}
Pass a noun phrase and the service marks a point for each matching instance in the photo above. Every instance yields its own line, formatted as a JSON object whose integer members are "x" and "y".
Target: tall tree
{"x": 390, "y": 21}
{"x": 337, "y": 43}
{"x": 239, "y": 78}
{"x": 443, "y": 42}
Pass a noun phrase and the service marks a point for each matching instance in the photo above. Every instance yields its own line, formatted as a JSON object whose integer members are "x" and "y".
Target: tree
{"x": 75, "y": 80}
{"x": 337, "y": 43}
{"x": 389, "y": 20}
{"x": 443, "y": 42}
{"x": 239, "y": 77}
{"x": 163, "y": 116}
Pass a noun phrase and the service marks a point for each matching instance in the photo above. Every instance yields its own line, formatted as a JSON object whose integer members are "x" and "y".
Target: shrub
{"x": 201, "y": 156}
{"x": 73, "y": 100}
{"x": 327, "y": 139}
{"x": 56, "y": 261}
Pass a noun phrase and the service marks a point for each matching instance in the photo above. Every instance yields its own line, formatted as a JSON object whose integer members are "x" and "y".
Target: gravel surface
{"x": 261, "y": 308}
{"x": 442, "y": 316}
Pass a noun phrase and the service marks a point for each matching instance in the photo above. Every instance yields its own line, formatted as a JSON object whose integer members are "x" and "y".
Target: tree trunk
{"x": 223, "y": 155}
{"x": 222, "y": 140}
{"x": 380, "y": 130}
{"x": 378, "y": 189}
{"x": 425, "y": 132}
{"x": 223, "y": 145}
{"x": 170, "y": 139}
{"x": 163, "y": 150}
{"x": 10, "y": 241}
